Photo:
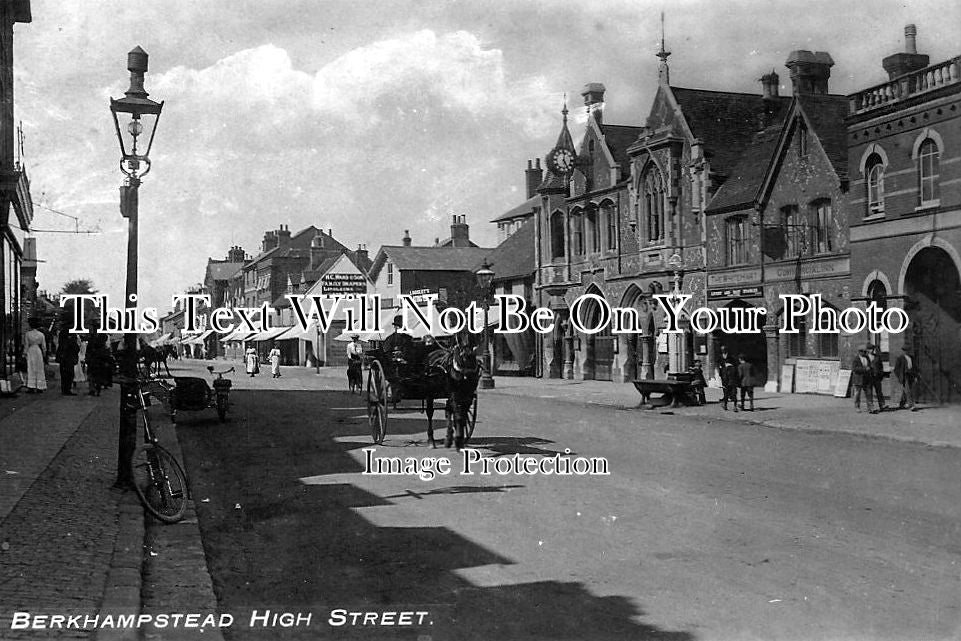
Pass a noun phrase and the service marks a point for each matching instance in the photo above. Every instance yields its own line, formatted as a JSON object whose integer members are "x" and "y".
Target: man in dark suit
{"x": 398, "y": 341}
{"x": 877, "y": 374}
{"x": 906, "y": 371}
{"x": 729, "y": 379}
{"x": 862, "y": 381}
{"x": 68, "y": 355}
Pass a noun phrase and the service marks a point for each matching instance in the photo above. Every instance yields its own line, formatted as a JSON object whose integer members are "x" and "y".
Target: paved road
{"x": 706, "y": 530}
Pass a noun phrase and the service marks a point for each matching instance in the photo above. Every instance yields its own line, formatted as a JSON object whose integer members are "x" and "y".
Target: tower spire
{"x": 663, "y": 72}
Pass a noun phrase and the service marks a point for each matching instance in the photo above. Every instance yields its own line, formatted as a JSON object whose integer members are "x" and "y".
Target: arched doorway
{"x": 932, "y": 288}
{"x": 599, "y": 347}
{"x": 753, "y": 345}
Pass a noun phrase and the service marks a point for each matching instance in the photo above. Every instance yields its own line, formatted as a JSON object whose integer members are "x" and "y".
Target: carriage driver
{"x": 398, "y": 341}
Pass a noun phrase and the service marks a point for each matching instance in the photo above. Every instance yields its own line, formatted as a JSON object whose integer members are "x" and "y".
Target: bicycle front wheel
{"x": 160, "y": 483}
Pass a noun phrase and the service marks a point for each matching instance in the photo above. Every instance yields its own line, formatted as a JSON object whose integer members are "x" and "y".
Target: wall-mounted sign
{"x": 739, "y": 277}
{"x": 736, "y": 292}
{"x": 343, "y": 284}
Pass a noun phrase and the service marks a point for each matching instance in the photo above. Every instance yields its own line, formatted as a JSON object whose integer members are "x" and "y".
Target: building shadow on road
{"x": 274, "y": 542}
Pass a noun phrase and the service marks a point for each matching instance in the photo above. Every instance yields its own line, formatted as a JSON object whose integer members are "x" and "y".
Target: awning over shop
{"x": 236, "y": 335}
{"x": 196, "y": 339}
{"x": 271, "y": 334}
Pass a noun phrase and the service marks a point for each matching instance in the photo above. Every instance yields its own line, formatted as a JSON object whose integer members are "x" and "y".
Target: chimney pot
{"x": 910, "y": 39}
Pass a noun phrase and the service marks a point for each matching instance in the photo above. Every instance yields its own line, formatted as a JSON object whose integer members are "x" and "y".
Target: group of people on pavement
{"x": 81, "y": 359}
{"x": 867, "y": 373}
{"x": 734, "y": 377}
{"x": 252, "y": 361}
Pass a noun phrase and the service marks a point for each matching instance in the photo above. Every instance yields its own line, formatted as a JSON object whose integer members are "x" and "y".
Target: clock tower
{"x": 561, "y": 159}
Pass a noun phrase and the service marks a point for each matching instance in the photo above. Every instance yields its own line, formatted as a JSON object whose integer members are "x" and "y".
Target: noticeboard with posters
{"x": 815, "y": 376}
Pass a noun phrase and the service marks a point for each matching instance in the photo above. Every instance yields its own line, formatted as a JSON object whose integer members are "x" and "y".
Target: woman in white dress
{"x": 80, "y": 369}
{"x": 250, "y": 356}
{"x": 275, "y": 362}
{"x": 35, "y": 344}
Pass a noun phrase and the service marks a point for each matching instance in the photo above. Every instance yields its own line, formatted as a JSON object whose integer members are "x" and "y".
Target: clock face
{"x": 563, "y": 160}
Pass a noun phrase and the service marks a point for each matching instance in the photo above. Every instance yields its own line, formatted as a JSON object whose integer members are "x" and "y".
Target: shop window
{"x": 875, "y": 175}
{"x": 797, "y": 343}
{"x": 558, "y": 237}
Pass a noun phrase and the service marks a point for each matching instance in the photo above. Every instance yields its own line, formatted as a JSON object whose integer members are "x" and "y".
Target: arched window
{"x": 929, "y": 157}
{"x": 558, "y": 237}
{"x": 823, "y": 218}
{"x": 610, "y": 224}
{"x": 577, "y": 234}
{"x": 593, "y": 230}
{"x": 875, "y": 175}
{"x": 654, "y": 205}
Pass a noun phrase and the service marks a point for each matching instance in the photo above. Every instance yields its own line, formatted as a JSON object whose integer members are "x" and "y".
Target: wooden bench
{"x": 674, "y": 392}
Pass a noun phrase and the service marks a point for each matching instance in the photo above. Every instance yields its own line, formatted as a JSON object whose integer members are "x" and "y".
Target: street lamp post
{"x": 485, "y": 276}
{"x": 135, "y": 118}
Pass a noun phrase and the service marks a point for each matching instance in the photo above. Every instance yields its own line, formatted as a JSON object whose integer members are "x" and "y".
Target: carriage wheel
{"x": 471, "y": 420}
{"x": 377, "y": 402}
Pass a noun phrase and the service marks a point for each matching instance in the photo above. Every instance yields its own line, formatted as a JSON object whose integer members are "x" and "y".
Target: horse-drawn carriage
{"x": 425, "y": 374}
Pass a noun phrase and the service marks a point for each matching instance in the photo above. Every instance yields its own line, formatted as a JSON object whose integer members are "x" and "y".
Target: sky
{"x": 371, "y": 117}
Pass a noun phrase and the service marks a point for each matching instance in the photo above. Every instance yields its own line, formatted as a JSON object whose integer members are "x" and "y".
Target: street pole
{"x": 487, "y": 379}
{"x": 127, "y": 438}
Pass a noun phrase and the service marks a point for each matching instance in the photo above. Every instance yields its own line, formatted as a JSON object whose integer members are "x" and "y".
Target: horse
{"x": 459, "y": 371}
{"x": 153, "y": 357}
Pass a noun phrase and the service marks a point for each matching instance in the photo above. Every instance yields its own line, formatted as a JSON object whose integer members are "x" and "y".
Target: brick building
{"x": 904, "y": 159}
{"x": 778, "y": 225}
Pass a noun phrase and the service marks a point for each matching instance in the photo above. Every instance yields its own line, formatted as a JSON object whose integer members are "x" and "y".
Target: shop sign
{"x": 343, "y": 284}
{"x": 814, "y": 269}
{"x": 725, "y": 279}
{"x": 736, "y": 292}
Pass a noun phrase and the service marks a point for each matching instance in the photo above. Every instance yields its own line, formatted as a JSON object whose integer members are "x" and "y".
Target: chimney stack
{"x": 236, "y": 254}
{"x": 910, "y": 60}
{"x": 363, "y": 259}
{"x": 770, "y": 83}
{"x": 406, "y": 239}
{"x": 283, "y": 237}
{"x": 810, "y": 72}
{"x": 459, "y": 231}
{"x": 534, "y": 176}
{"x": 593, "y": 93}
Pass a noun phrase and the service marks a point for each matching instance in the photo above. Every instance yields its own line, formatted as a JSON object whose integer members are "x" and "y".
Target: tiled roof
{"x": 826, "y": 116}
{"x": 222, "y": 270}
{"x": 429, "y": 258}
{"x": 747, "y": 175}
{"x": 725, "y": 121}
{"x": 618, "y": 138}
{"x": 514, "y": 258}
{"x": 526, "y": 208}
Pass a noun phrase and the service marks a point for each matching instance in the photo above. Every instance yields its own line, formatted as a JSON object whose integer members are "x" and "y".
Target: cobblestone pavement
{"x": 58, "y": 516}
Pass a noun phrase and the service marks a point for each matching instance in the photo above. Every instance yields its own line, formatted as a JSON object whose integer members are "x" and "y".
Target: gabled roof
{"x": 825, "y": 116}
{"x": 428, "y": 258}
{"x": 525, "y": 209}
{"x": 759, "y": 161}
{"x": 514, "y": 258}
{"x": 618, "y": 138}
{"x": 221, "y": 269}
{"x": 724, "y": 121}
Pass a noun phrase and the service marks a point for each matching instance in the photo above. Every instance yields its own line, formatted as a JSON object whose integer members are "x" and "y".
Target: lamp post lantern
{"x": 485, "y": 277}
{"x": 135, "y": 118}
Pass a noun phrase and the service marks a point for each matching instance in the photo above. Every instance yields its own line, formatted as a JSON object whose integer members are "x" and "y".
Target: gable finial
{"x": 663, "y": 72}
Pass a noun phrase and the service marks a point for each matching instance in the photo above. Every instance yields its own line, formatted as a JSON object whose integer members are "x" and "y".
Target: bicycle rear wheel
{"x": 160, "y": 483}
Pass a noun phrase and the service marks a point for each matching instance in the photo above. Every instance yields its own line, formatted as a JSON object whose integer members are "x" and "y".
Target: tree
{"x": 79, "y": 286}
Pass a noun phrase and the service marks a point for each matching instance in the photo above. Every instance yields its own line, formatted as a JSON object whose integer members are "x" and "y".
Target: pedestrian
{"x": 68, "y": 354}
{"x": 99, "y": 362}
{"x": 906, "y": 371}
{"x": 253, "y": 366}
{"x": 877, "y": 375}
{"x": 274, "y": 362}
{"x": 80, "y": 369}
{"x": 36, "y": 347}
{"x": 745, "y": 373}
{"x": 355, "y": 354}
{"x": 730, "y": 380}
{"x": 862, "y": 381}
{"x": 697, "y": 382}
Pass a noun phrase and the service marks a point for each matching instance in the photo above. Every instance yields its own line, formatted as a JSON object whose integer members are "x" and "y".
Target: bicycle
{"x": 159, "y": 480}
